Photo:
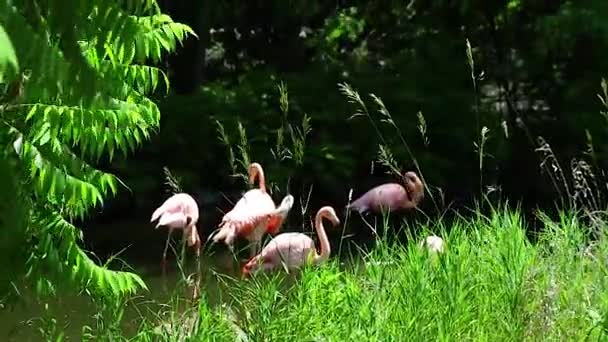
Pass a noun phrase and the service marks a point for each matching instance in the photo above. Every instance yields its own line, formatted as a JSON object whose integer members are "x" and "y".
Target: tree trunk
{"x": 187, "y": 64}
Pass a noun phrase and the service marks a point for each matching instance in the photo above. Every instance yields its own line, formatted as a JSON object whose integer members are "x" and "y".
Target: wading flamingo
{"x": 391, "y": 196}
{"x": 292, "y": 250}
{"x": 253, "y": 215}
{"x": 179, "y": 211}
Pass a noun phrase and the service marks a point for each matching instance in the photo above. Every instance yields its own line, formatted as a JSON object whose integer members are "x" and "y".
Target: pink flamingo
{"x": 391, "y": 196}
{"x": 294, "y": 249}
{"x": 253, "y": 215}
{"x": 178, "y": 212}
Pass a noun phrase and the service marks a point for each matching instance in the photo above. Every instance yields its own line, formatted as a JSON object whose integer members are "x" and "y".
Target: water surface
{"x": 140, "y": 246}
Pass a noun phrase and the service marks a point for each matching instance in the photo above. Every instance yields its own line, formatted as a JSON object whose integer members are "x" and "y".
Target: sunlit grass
{"x": 491, "y": 283}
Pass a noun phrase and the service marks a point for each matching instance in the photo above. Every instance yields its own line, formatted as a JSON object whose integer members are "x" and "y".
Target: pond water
{"x": 141, "y": 248}
{"x": 74, "y": 311}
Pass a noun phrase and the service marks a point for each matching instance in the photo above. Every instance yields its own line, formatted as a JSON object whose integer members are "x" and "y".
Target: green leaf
{"x": 86, "y": 94}
{"x": 8, "y": 58}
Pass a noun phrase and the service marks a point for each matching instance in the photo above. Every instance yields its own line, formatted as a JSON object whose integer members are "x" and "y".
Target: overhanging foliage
{"x": 76, "y": 81}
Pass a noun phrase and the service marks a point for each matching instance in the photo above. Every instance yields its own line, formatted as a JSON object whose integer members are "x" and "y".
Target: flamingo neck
{"x": 325, "y": 248}
{"x": 413, "y": 195}
{"x": 258, "y": 173}
{"x": 191, "y": 235}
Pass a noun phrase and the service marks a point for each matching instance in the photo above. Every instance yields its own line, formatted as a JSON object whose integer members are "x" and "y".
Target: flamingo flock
{"x": 255, "y": 215}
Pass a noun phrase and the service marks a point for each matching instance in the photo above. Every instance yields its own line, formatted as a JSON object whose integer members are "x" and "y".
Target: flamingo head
{"x": 249, "y": 267}
{"x": 286, "y": 203}
{"x": 414, "y": 188}
{"x": 329, "y": 213}
{"x": 257, "y": 263}
{"x": 246, "y": 272}
{"x": 254, "y": 171}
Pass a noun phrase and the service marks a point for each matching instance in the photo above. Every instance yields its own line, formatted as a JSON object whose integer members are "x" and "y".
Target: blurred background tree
{"x": 535, "y": 68}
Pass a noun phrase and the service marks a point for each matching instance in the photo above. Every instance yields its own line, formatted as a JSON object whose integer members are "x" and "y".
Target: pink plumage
{"x": 293, "y": 250}
{"x": 254, "y": 214}
{"x": 391, "y": 196}
{"x": 179, "y": 211}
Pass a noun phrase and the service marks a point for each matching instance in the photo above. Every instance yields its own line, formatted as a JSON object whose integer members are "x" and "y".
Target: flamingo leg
{"x": 195, "y": 290}
{"x": 255, "y": 248}
{"x": 163, "y": 263}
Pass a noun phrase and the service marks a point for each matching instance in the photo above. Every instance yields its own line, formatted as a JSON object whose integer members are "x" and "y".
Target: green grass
{"x": 490, "y": 284}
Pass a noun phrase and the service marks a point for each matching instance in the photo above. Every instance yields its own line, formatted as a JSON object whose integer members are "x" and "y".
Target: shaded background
{"x": 538, "y": 67}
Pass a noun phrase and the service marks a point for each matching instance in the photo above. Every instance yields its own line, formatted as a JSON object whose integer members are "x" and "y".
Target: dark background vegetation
{"x": 538, "y": 67}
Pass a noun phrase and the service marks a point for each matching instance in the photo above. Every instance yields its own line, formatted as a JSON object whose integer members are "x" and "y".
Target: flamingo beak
{"x": 246, "y": 270}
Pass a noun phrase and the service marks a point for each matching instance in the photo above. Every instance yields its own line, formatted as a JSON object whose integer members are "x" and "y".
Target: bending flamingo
{"x": 253, "y": 215}
{"x": 294, "y": 249}
{"x": 391, "y": 196}
{"x": 179, "y": 211}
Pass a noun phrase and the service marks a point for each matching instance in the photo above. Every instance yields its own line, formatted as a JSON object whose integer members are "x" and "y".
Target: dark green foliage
{"x": 537, "y": 66}
{"x": 81, "y": 93}
{"x": 14, "y": 219}
{"x": 77, "y": 74}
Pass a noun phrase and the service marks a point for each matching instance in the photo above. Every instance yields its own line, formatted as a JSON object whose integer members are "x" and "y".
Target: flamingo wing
{"x": 165, "y": 207}
{"x": 387, "y": 196}
{"x": 172, "y": 219}
{"x": 250, "y": 212}
{"x": 287, "y": 249}
{"x": 276, "y": 220}
{"x": 169, "y": 212}
{"x": 274, "y": 224}
{"x": 293, "y": 249}
{"x": 390, "y": 196}
{"x": 176, "y": 211}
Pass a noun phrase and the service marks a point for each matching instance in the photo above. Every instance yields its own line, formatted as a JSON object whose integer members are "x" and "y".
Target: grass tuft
{"x": 490, "y": 283}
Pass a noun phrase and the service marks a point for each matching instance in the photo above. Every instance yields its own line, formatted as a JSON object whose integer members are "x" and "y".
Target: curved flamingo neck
{"x": 256, "y": 172}
{"x": 325, "y": 248}
{"x": 414, "y": 193}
